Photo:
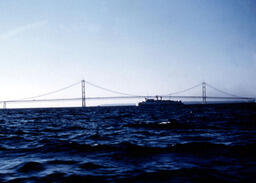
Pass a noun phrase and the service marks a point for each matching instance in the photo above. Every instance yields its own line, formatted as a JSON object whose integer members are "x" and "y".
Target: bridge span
{"x": 121, "y": 95}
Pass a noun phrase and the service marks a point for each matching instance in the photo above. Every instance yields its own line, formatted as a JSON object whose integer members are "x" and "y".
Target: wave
{"x": 178, "y": 175}
{"x": 62, "y": 162}
{"x": 90, "y": 166}
{"x": 204, "y": 148}
{"x": 181, "y": 175}
{"x": 164, "y": 125}
{"x": 30, "y": 167}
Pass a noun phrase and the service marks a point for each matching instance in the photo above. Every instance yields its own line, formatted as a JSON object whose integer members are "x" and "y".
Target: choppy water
{"x": 129, "y": 144}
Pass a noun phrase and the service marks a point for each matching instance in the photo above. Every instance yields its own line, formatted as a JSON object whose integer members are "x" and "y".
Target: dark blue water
{"x": 192, "y": 143}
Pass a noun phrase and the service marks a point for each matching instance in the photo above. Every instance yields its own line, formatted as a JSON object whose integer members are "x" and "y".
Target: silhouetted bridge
{"x": 121, "y": 95}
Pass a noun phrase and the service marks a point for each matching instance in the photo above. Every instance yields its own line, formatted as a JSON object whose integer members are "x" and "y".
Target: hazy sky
{"x": 133, "y": 46}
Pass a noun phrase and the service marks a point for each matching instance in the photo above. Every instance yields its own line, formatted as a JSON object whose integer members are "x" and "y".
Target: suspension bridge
{"x": 120, "y": 95}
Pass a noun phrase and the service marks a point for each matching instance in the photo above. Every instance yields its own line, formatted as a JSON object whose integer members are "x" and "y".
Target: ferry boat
{"x": 157, "y": 102}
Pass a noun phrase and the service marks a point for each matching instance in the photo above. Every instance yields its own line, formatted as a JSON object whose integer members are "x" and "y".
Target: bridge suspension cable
{"x": 109, "y": 90}
{"x": 182, "y": 91}
{"x": 67, "y": 87}
{"x": 52, "y": 92}
{"x": 221, "y": 91}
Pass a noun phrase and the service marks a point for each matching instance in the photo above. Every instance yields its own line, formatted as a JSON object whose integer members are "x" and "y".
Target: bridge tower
{"x": 203, "y": 93}
{"x": 83, "y": 93}
{"x": 4, "y": 105}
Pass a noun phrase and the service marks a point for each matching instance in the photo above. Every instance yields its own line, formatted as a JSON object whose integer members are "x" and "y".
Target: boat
{"x": 159, "y": 102}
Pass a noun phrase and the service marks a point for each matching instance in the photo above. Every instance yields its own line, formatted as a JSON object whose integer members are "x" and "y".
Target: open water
{"x": 193, "y": 143}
